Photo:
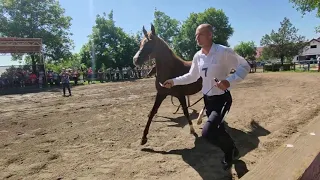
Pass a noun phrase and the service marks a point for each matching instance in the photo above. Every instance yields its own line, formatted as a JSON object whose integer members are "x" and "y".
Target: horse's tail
{"x": 190, "y": 105}
{"x": 173, "y": 103}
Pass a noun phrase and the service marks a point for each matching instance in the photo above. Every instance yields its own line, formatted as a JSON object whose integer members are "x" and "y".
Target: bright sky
{"x": 251, "y": 19}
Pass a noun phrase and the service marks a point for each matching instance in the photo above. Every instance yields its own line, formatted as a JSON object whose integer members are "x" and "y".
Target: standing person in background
{"x": 214, "y": 62}
{"x": 75, "y": 76}
{"x": 90, "y": 75}
{"x": 65, "y": 80}
{"x": 81, "y": 76}
{"x": 41, "y": 77}
{"x": 100, "y": 75}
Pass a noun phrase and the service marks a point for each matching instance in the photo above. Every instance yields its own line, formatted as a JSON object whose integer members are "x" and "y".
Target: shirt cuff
{"x": 230, "y": 79}
{"x": 175, "y": 82}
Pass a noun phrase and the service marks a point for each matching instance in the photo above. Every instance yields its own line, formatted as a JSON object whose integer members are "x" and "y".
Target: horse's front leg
{"x": 183, "y": 103}
{"x": 154, "y": 110}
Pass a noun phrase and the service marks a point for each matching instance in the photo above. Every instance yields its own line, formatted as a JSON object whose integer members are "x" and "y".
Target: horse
{"x": 168, "y": 65}
{"x": 153, "y": 71}
{"x": 253, "y": 66}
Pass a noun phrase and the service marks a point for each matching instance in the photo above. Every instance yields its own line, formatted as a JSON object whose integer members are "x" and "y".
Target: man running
{"x": 214, "y": 62}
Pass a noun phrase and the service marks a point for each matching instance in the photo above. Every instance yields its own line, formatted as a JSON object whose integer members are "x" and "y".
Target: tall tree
{"x": 109, "y": 45}
{"x": 285, "y": 43}
{"x": 185, "y": 44}
{"x": 38, "y": 19}
{"x": 246, "y": 50}
{"x": 166, "y": 27}
{"x": 86, "y": 53}
{"x": 305, "y": 6}
{"x": 73, "y": 61}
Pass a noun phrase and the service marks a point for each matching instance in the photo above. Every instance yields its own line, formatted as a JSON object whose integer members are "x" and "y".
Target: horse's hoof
{"x": 199, "y": 121}
{"x": 144, "y": 140}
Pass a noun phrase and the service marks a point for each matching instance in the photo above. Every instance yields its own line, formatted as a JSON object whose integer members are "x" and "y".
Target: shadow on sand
{"x": 26, "y": 90}
{"x": 205, "y": 158}
{"x": 179, "y": 121}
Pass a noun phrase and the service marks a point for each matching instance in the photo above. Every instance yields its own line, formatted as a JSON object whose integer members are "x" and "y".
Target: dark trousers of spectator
{"x": 64, "y": 86}
{"x": 75, "y": 80}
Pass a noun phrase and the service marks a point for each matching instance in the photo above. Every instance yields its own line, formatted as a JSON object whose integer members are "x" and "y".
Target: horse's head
{"x": 147, "y": 47}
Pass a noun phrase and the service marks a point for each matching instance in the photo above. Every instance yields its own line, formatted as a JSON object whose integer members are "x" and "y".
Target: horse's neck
{"x": 168, "y": 67}
{"x": 167, "y": 64}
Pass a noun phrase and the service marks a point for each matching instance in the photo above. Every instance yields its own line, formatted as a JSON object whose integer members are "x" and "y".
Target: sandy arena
{"x": 95, "y": 134}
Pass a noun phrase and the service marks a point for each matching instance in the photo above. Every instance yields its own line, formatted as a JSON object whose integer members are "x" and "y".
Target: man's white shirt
{"x": 218, "y": 63}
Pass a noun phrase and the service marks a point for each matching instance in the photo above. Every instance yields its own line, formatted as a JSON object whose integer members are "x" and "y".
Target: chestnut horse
{"x": 152, "y": 72}
{"x": 168, "y": 66}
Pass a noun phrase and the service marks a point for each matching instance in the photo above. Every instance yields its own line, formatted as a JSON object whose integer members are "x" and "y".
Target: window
{"x": 313, "y": 46}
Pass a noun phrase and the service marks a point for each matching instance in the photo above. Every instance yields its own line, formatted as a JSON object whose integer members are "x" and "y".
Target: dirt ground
{"x": 95, "y": 134}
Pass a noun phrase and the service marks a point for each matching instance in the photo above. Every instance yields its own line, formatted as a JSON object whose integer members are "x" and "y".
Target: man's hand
{"x": 223, "y": 85}
{"x": 168, "y": 83}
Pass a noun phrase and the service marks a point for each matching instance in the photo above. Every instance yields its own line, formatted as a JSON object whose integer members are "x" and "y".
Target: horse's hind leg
{"x": 177, "y": 109}
{"x": 199, "y": 120}
{"x": 157, "y": 103}
{"x": 188, "y": 97}
{"x": 183, "y": 103}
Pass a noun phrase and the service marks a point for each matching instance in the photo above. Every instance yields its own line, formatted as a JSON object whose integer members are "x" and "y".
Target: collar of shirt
{"x": 211, "y": 51}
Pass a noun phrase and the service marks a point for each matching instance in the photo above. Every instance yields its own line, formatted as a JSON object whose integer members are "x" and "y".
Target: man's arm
{"x": 192, "y": 76}
{"x": 234, "y": 61}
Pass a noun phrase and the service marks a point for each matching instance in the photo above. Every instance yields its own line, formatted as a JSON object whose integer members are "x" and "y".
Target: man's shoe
{"x": 228, "y": 164}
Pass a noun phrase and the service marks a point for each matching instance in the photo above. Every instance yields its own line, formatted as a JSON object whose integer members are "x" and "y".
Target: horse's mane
{"x": 170, "y": 50}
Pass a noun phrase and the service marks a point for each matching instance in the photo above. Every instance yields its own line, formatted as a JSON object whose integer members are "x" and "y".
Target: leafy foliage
{"x": 108, "y": 45}
{"x": 72, "y": 62}
{"x": 185, "y": 44}
{"x": 38, "y": 19}
{"x": 285, "y": 43}
{"x": 305, "y": 6}
{"x": 246, "y": 50}
{"x": 166, "y": 27}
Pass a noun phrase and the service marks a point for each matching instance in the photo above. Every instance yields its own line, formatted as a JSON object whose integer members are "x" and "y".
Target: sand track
{"x": 95, "y": 134}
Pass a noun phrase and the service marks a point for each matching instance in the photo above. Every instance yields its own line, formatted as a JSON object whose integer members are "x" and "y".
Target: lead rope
{"x": 216, "y": 80}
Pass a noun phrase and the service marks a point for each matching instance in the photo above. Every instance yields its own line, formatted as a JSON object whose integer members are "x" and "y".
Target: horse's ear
{"x": 153, "y": 30}
{"x": 145, "y": 32}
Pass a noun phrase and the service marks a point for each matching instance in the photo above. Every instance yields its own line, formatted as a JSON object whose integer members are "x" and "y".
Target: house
{"x": 311, "y": 51}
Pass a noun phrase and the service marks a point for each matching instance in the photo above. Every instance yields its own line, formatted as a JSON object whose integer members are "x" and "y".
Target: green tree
{"x": 246, "y": 50}
{"x": 73, "y": 61}
{"x": 86, "y": 53}
{"x": 109, "y": 45}
{"x": 305, "y": 6}
{"x": 185, "y": 44}
{"x": 264, "y": 55}
{"x": 285, "y": 43}
{"x": 126, "y": 50}
{"x": 37, "y": 19}
{"x": 166, "y": 27}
